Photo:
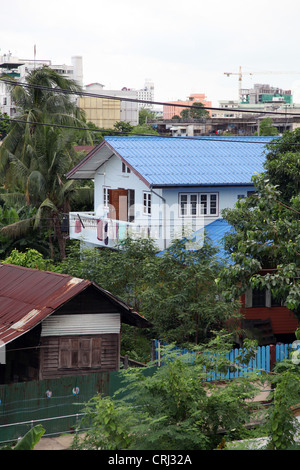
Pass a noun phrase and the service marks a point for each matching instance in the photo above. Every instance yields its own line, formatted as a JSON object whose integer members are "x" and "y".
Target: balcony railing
{"x": 106, "y": 232}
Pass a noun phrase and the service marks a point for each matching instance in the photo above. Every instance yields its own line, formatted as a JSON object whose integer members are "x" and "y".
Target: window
{"x": 105, "y": 196}
{"x": 125, "y": 168}
{"x": 258, "y": 298}
{"x": 213, "y": 204}
{"x": 194, "y": 204}
{"x": 147, "y": 203}
{"x": 79, "y": 352}
{"x": 183, "y": 204}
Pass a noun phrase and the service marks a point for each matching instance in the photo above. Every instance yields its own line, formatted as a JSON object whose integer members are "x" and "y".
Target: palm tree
{"x": 35, "y": 155}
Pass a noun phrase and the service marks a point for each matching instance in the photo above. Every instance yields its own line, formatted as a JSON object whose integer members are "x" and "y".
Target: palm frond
{"x": 13, "y": 199}
{"x": 84, "y": 196}
{"x": 18, "y": 229}
{"x": 47, "y": 203}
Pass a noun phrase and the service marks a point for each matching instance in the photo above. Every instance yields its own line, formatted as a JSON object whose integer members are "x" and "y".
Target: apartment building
{"x": 174, "y": 108}
{"x": 19, "y": 68}
{"x": 105, "y": 112}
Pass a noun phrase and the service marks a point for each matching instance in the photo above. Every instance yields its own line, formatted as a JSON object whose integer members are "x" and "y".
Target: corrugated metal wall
{"x": 87, "y": 324}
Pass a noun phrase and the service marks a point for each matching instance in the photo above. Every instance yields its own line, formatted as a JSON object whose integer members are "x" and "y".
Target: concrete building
{"x": 19, "y": 69}
{"x": 264, "y": 93}
{"x": 174, "y": 108}
{"x": 122, "y": 110}
{"x": 146, "y": 94}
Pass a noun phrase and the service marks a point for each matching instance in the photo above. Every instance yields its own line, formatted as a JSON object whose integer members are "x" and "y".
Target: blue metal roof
{"x": 177, "y": 161}
{"x": 215, "y": 231}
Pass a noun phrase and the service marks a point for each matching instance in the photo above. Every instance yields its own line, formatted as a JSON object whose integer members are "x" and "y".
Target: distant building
{"x": 260, "y": 98}
{"x": 19, "y": 69}
{"x": 262, "y": 93}
{"x": 146, "y": 94}
{"x": 174, "y": 108}
{"x": 118, "y": 110}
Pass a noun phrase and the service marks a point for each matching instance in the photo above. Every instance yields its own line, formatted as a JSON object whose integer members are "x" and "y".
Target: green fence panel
{"x": 55, "y": 403}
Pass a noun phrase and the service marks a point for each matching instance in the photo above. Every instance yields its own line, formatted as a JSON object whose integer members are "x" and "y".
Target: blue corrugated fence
{"x": 263, "y": 361}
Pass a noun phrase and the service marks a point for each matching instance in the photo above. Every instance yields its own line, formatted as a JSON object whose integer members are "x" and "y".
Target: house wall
{"x": 169, "y": 111}
{"x": 283, "y": 321}
{"x": 104, "y": 113}
{"x": 110, "y": 176}
{"x": 226, "y": 198}
{"x": 82, "y": 337}
{"x": 57, "y": 360}
{"x": 164, "y": 201}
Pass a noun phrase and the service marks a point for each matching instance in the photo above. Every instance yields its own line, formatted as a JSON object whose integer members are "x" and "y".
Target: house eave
{"x": 199, "y": 185}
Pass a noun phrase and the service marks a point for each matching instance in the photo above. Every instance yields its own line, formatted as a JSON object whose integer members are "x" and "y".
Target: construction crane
{"x": 240, "y": 75}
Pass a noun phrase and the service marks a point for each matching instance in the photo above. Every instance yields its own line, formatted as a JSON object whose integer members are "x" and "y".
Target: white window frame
{"x": 209, "y": 204}
{"x": 106, "y": 196}
{"x": 147, "y": 199}
{"x": 191, "y": 199}
{"x": 196, "y": 198}
{"x": 125, "y": 168}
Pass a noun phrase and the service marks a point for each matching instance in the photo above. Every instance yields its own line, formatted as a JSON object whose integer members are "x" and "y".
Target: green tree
{"x": 122, "y": 126}
{"x": 283, "y": 166}
{"x": 195, "y": 112}
{"x": 282, "y": 425}
{"x": 4, "y": 125}
{"x": 144, "y": 129}
{"x": 264, "y": 242}
{"x": 180, "y": 295}
{"x": 29, "y": 258}
{"x": 12, "y": 215}
{"x": 173, "y": 407}
{"x": 176, "y": 292}
{"x": 35, "y": 155}
{"x": 144, "y": 115}
{"x": 266, "y": 128}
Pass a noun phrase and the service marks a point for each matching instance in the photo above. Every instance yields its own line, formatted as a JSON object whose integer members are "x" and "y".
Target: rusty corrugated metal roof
{"x": 28, "y": 296}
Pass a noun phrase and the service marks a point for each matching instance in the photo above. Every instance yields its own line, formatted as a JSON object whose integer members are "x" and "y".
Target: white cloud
{"x": 183, "y": 46}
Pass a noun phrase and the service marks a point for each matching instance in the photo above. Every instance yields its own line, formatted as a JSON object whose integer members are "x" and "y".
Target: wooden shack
{"x": 54, "y": 325}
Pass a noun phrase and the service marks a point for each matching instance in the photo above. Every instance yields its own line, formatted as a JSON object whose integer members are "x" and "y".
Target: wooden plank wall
{"x": 49, "y": 358}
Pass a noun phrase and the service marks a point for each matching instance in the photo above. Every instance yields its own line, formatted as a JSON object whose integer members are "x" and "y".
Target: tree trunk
{"x": 59, "y": 236}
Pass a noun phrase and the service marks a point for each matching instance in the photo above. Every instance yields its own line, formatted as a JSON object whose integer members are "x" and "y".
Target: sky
{"x": 183, "y": 47}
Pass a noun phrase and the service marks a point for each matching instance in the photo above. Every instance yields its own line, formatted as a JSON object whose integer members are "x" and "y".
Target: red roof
{"x": 28, "y": 296}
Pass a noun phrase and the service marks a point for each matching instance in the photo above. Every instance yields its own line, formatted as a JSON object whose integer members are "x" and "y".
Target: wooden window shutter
{"x": 74, "y": 353}
{"x": 68, "y": 353}
{"x": 85, "y": 352}
{"x": 96, "y": 352}
{"x": 64, "y": 353}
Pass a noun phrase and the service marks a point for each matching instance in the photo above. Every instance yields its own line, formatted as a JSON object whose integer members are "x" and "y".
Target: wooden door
{"x": 118, "y": 204}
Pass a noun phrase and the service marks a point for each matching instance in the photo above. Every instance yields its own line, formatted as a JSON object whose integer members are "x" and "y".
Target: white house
{"x": 163, "y": 187}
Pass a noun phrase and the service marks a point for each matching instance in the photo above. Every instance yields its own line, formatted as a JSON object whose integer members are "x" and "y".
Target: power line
{"x": 131, "y": 133}
{"x": 137, "y": 134}
{"x": 136, "y": 100}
